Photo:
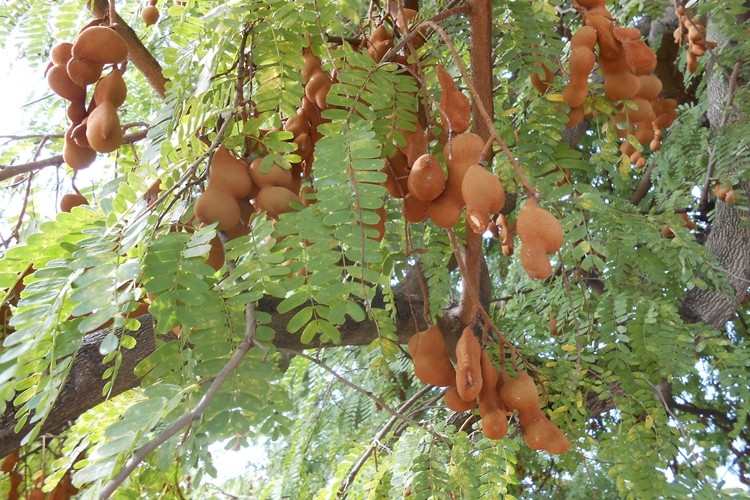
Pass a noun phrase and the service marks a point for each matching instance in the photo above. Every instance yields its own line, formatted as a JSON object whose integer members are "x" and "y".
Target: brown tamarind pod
{"x": 640, "y": 57}
{"x": 61, "y": 84}
{"x": 591, "y": 4}
{"x": 484, "y": 195}
{"x": 519, "y": 393}
{"x": 426, "y": 179}
{"x": 575, "y": 93}
{"x": 414, "y": 210}
{"x": 150, "y": 15}
{"x": 454, "y": 401}
{"x": 488, "y": 396}
{"x": 468, "y": 365}
{"x": 111, "y": 88}
{"x": 623, "y": 85}
{"x": 70, "y": 200}
{"x": 650, "y": 87}
{"x": 455, "y": 107}
{"x": 215, "y": 205}
{"x": 445, "y": 210}
{"x": 103, "y": 130}
{"x": 625, "y": 34}
{"x": 538, "y": 227}
{"x": 543, "y": 434}
{"x": 642, "y": 112}
{"x": 608, "y": 46}
{"x": 581, "y": 63}
{"x": 274, "y": 176}
{"x": 61, "y": 53}
{"x": 276, "y": 200}
{"x": 575, "y": 116}
{"x": 416, "y": 144}
{"x": 535, "y": 261}
{"x": 692, "y": 62}
{"x": 100, "y": 45}
{"x": 644, "y": 132}
{"x": 230, "y": 174}
{"x": 76, "y": 111}
{"x": 430, "y": 357}
{"x": 585, "y": 36}
{"x": 462, "y": 151}
{"x": 83, "y": 72}
{"x": 542, "y": 85}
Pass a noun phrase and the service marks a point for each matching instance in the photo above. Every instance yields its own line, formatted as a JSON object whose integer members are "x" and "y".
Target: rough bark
{"x": 729, "y": 238}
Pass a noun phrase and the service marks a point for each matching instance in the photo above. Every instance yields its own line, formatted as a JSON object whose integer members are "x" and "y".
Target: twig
{"x": 55, "y": 161}
{"x": 379, "y": 402}
{"x": 644, "y": 186}
{"x": 166, "y": 434}
{"x": 376, "y": 440}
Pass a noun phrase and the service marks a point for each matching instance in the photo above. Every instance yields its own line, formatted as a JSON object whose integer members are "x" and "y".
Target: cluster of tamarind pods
{"x": 474, "y": 381}
{"x": 627, "y": 64}
{"x": 693, "y": 31}
{"x": 95, "y": 127}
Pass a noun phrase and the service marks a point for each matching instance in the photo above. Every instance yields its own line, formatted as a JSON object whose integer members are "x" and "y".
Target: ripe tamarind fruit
{"x": 535, "y": 262}
{"x": 519, "y": 393}
{"x": 103, "y": 130}
{"x": 585, "y": 36}
{"x": 77, "y": 157}
{"x": 650, "y": 87}
{"x": 462, "y": 151}
{"x": 542, "y": 434}
{"x": 230, "y": 174}
{"x": 429, "y": 354}
{"x": 426, "y": 180}
{"x": 61, "y": 84}
{"x": 484, "y": 195}
{"x": 150, "y": 15}
{"x": 70, "y": 200}
{"x": 575, "y": 93}
{"x": 455, "y": 402}
{"x": 61, "y": 53}
{"x": 455, "y": 107}
{"x": 112, "y": 89}
{"x": 445, "y": 210}
{"x": 581, "y": 63}
{"x": 640, "y": 57}
{"x": 276, "y": 200}
{"x": 622, "y": 85}
{"x": 542, "y": 85}
{"x": 468, "y": 365}
{"x": 538, "y": 227}
{"x": 414, "y": 210}
{"x": 83, "y": 72}
{"x": 215, "y": 205}
{"x": 608, "y": 46}
{"x": 100, "y": 45}
{"x": 275, "y": 175}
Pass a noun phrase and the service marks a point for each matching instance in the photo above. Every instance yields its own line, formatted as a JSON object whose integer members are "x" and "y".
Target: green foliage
{"x": 653, "y": 406}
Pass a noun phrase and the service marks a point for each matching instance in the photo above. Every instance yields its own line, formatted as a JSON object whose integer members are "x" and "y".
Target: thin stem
{"x": 247, "y": 342}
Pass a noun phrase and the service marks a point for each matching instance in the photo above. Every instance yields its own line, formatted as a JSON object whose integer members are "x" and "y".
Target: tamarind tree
{"x": 231, "y": 234}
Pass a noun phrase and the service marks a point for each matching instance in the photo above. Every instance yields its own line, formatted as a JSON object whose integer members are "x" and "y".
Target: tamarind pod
{"x": 468, "y": 365}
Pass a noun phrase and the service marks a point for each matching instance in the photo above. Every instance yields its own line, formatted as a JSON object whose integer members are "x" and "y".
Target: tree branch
{"x": 11, "y": 171}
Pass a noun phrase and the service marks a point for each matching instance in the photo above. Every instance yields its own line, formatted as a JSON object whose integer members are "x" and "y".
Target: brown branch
{"x": 137, "y": 53}
{"x": 55, "y": 161}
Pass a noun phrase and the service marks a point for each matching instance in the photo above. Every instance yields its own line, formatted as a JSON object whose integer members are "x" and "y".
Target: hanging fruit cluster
{"x": 474, "y": 381}
{"x": 693, "y": 31}
{"x": 95, "y": 128}
{"x": 626, "y": 63}
{"x": 724, "y": 193}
